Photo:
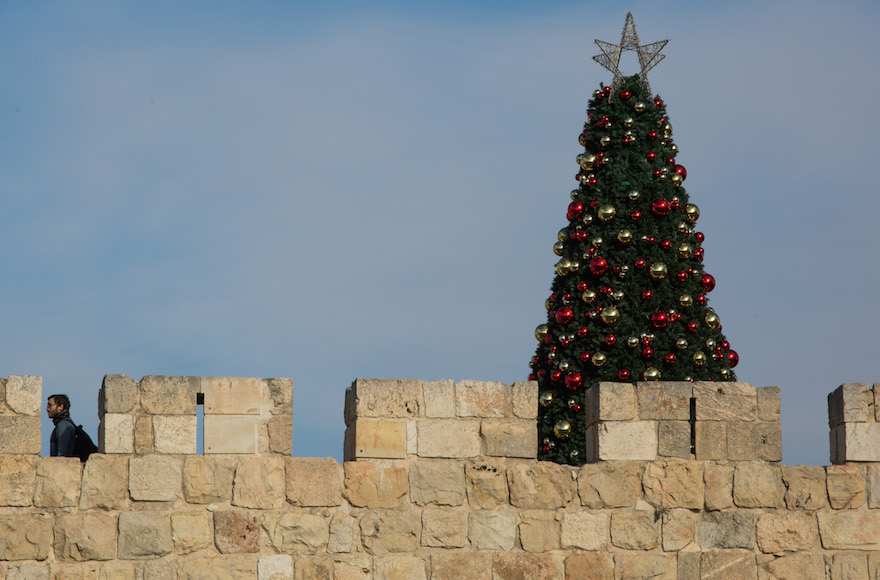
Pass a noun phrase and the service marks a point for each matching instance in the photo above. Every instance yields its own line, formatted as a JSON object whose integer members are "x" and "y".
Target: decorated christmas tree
{"x": 629, "y": 299}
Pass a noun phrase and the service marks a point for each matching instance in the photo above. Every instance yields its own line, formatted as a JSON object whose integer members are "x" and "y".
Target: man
{"x": 63, "y": 438}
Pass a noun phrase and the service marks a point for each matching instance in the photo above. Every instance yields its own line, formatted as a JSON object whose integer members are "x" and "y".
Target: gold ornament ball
{"x": 651, "y": 374}
{"x": 712, "y": 320}
{"x": 546, "y": 399}
{"x": 557, "y": 248}
{"x": 629, "y": 122}
{"x": 605, "y": 141}
{"x": 639, "y": 107}
{"x": 606, "y": 212}
{"x": 685, "y": 250}
{"x": 699, "y": 358}
{"x": 588, "y": 296}
{"x": 674, "y": 148}
{"x": 599, "y": 359}
{"x": 573, "y": 194}
{"x": 632, "y": 342}
{"x": 710, "y": 343}
{"x": 582, "y": 139}
{"x": 676, "y": 179}
{"x": 562, "y": 429}
{"x": 575, "y": 266}
{"x": 597, "y": 241}
{"x": 617, "y": 295}
{"x": 587, "y": 161}
{"x": 574, "y": 453}
{"x": 541, "y": 331}
{"x": 563, "y": 266}
{"x": 610, "y": 315}
{"x": 658, "y": 270}
{"x": 633, "y": 195}
{"x": 686, "y": 300}
{"x": 561, "y": 235}
{"x": 588, "y": 219}
{"x": 563, "y": 366}
{"x": 624, "y": 236}
{"x": 547, "y": 304}
{"x": 725, "y": 372}
{"x": 682, "y": 227}
{"x": 692, "y": 212}
{"x": 681, "y": 343}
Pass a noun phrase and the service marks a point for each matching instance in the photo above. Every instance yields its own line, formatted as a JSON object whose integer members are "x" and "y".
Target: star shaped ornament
{"x": 649, "y": 54}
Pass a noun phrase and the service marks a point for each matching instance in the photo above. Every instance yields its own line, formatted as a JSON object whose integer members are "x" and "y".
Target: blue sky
{"x": 354, "y": 189}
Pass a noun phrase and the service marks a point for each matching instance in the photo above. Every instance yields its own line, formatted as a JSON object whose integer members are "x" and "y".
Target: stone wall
{"x": 440, "y": 482}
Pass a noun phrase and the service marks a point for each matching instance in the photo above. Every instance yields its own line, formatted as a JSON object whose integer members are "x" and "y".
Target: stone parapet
{"x": 21, "y": 400}
{"x": 854, "y": 419}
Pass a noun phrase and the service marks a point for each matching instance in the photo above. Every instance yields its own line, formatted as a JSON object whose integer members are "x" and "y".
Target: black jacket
{"x": 63, "y": 438}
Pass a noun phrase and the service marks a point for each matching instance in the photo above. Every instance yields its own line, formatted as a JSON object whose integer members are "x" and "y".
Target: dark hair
{"x": 61, "y": 401}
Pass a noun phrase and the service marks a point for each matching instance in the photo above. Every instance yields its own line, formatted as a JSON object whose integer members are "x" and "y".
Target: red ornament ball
{"x": 652, "y": 135}
{"x": 625, "y": 95}
{"x": 733, "y": 358}
{"x": 651, "y": 155}
{"x": 680, "y": 170}
{"x": 573, "y": 380}
{"x": 575, "y": 210}
{"x": 658, "y": 103}
{"x": 700, "y": 236}
{"x": 532, "y": 376}
{"x": 583, "y": 331}
{"x": 670, "y": 358}
{"x": 693, "y": 327}
{"x": 610, "y": 340}
{"x": 725, "y": 345}
{"x": 640, "y": 263}
{"x": 682, "y": 276}
{"x": 585, "y": 357}
{"x": 647, "y": 295}
{"x": 708, "y": 282}
{"x": 605, "y": 289}
{"x": 623, "y": 374}
{"x": 647, "y": 352}
{"x": 564, "y": 315}
{"x": 598, "y": 265}
{"x": 660, "y": 319}
{"x": 581, "y": 286}
{"x": 635, "y": 216}
{"x": 698, "y": 254}
{"x": 701, "y": 299}
{"x": 660, "y": 207}
{"x": 666, "y": 244}
{"x": 555, "y": 376}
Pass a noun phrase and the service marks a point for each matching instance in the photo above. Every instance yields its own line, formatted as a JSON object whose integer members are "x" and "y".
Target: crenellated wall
{"x": 440, "y": 481}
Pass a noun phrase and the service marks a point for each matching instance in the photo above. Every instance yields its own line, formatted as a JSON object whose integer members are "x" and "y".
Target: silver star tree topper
{"x": 649, "y": 54}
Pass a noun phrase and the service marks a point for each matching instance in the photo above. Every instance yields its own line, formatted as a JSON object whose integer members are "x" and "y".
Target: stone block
{"x": 236, "y": 532}
{"x": 386, "y": 531}
{"x": 805, "y": 487}
{"x": 610, "y": 485}
{"x": 459, "y": 565}
{"x": 118, "y": 394}
{"x": 296, "y": 532}
{"x": 635, "y": 530}
{"x": 492, "y": 530}
{"x": 664, "y": 401}
{"x": 726, "y": 530}
{"x": 240, "y": 567}
{"x": 400, "y": 566}
{"x": 586, "y": 566}
{"x": 370, "y": 486}
{"x": 19, "y": 435}
{"x": 344, "y": 534}
{"x": 24, "y": 571}
{"x": 449, "y": 438}
{"x": 541, "y": 485}
{"x": 280, "y": 429}
{"x": 25, "y": 536}
{"x": 81, "y": 537}
{"x": 621, "y": 441}
{"x": 532, "y": 566}
{"x": 354, "y": 568}
{"x": 671, "y": 484}
{"x": 230, "y": 434}
{"x": 17, "y": 478}
{"x": 849, "y": 529}
{"x": 144, "y": 535}
{"x": 439, "y": 398}
{"x": 847, "y": 565}
{"x": 116, "y": 433}
{"x": 857, "y": 442}
{"x": 277, "y": 567}
{"x": 437, "y": 482}
{"x": 525, "y": 399}
{"x": 688, "y": 566}
{"x": 725, "y": 401}
{"x": 57, "y": 482}
{"x": 710, "y": 440}
{"x": 607, "y": 401}
{"x": 645, "y": 565}
{"x": 584, "y": 529}
{"x": 377, "y": 439}
{"x": 164, "y": 395}
{"x": 678, "y": 529}
{"x": 143, "y": 435}
{"x": 231, "y": 395}
{"x": 539, "y": 531}
{"x": 486, "y": 485}
{"x": 386, "y": 398}
{"x": 674, "y": 439}
{"x": 191, "y": 531}
{"x": 510, "y": 438}
{"x": 278, "y": 396}
{"x": 176, "y": 434}
{"x": 846, "y": 487}
{"x": 105, "y": 482}
{"x": 719, "y": 486}
{"x": 758, "y": 485}
{"x": 444, "y": 528}
{"x": 872, "y": 486}
{"x": 154, "y": 478}
{"x": 728, "y": 564}
{"x": 850, "y": 403}
{"x": 796, "y": 565}
{"x": 208, "y": 479}
{"x": 483, "y": 399}
{"x": 24, "y": 394}
{"x": 756, "y": 440}
{"x": 787, "y": 532}
{"x": 314, "y": 481}
{"x": 259, "y": 483}
{"x": 769, "y": 404}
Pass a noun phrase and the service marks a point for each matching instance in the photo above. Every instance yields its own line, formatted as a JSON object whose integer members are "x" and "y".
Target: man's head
{"x": 57, "y": 403}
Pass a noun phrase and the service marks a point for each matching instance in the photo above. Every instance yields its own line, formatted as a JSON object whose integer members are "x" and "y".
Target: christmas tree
{"x": 628, "y": 302}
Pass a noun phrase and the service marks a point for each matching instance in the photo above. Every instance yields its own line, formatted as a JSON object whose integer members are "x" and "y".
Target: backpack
{"x": 84, "y": 445}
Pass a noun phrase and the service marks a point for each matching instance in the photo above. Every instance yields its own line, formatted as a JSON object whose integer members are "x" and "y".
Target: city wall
{"x": 439, "y": 482}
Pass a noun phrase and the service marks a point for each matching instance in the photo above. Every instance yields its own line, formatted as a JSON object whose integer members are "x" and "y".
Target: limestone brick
{"x": 857, "y": 442}
{"x": 669, "y": 401}
{"x": 678, "y": 529}
{"x": 387, "y": 398}
{"x": 482, "y": 399}
{"x": 758, "y": 485}
{"x": 314, "y": 481}
{"x": 57, "y": 482}
{"x": 400, "y": 566}
{"x": 524, "y": 399}
{"x": 645, "y": 565}
{"x": 510, "y": 438}
{"x": 439, "y": 398}
{"x": 80, "y": 537}
{"x": 149, "y": 570}
{"x": 231, "y": 395}
{"x": 355, "y": 568}
{"x": 118, "y": 394}
{"x": 805, "y": 487}
{"x": 25, "y": 536}
{"x": 377, "y": 438}
{"x": 724, "y": 564}
{"x": 165, "y": 395}
{"x": 280, "y": 434}
{"x": 674, "y": 484}
{"x": 849, "y": 529}
{"x": 725, "y": 401}
{"x": 872, "y": 486}
{"x": 144, "y": 534}
{"x": 259, "y": 483}
{"x": 760, "y": 440}
{"x": 846, "y": 487}
{"x": 635, "y": 530}
{"x": 611, "y": 402}
{"x": 850, "y": 403}
{"x": 385, "y": 531}
{"x": 17, "y": 478}
{"x": 449, "y": 438}
{"x": 19, "y": 434}
{"x": 726, "y": 530}
{"x": 486, "y": 485}
{"x": 492, "y": 530}
{"x": 710, "y": 440}
{"x": 586, "y": 566}
{"x": 444, "y": 528}
{"x": 847, "y": 565}
{"x": 23, "y": 571}
{"x": 769, "y": 404}
{"x": 688, "y": 565}
{"x": 313, "y": 568}
{"x": 344, "y": 533}
{"x": 154, "y": 478}
{"x": 277, "y": 567}
{"x": 674, "y": 439}
{"x": 438, "y": 482}
{"x": 236, "y": 532}
{"x": 793, "y": 566}
{"x": 584, "y": 529}
{"x": 241, "y": 567}
{"x": 105, "y": 482}
{"x": 618, "y": 440}
{"x": 787, "y": 532}
{"x": 116, "y": 433}
{"x": 143, "y": 435}
{"x": 208, "y": 479}
{"x": 229, "y": 434}
{"x": 460, "y": 565}
{"x": 539, "y": 530}
{"x": 191, "y": 531}
{"x": 541, "y": 485}
{"x": 175, "y": 434}
{"x": 24, "y": 394}
{"x": 719, "y": 486}
{"x": 610, "y": 485}
{"x": 296, "y": 532}
{"x": 278, "y": 394}
{"x": 514, "y": 566}
{"x": 367, "y": 485}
